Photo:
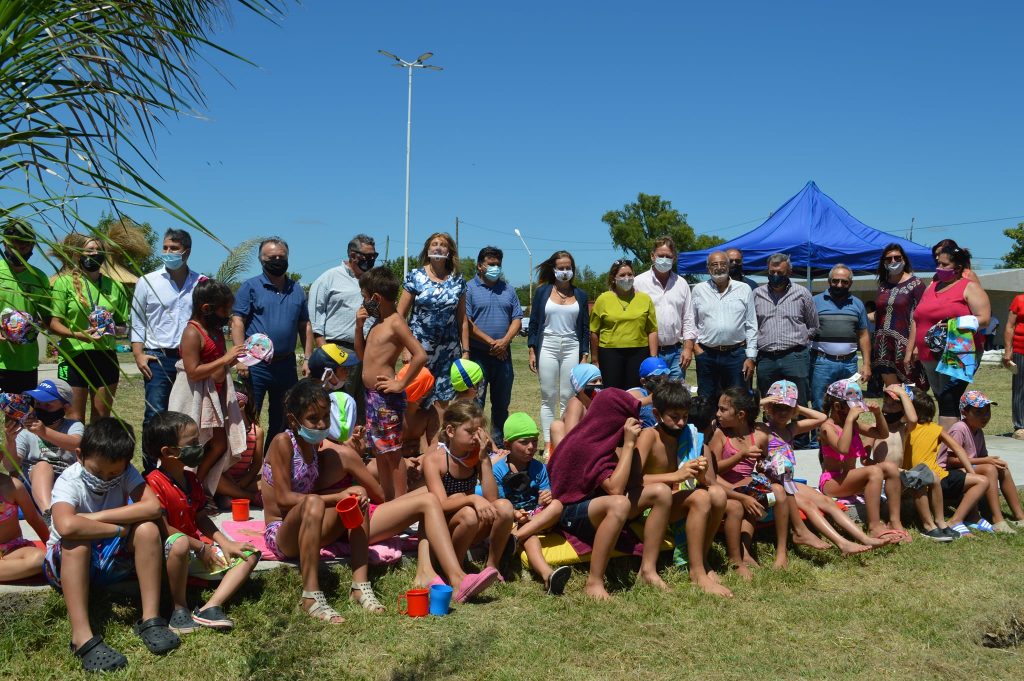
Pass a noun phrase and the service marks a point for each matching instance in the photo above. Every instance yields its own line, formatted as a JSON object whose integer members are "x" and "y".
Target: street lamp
{"x": 410, "y": 65}
{"x": 529, "y": 253}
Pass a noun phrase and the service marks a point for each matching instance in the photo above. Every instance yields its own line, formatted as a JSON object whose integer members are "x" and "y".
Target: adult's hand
{"x": 142, "y": 361}
{"x": 533, "y": 361}
{"x": 243, "y": 371}
{"x": 748, "y": 369}
{"x": 305, "y": 368}
{"x": 865, "y": 373}
{"x": 685, "y": 358}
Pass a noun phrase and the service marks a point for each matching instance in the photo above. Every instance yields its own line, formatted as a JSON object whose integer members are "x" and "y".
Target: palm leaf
{"x": 238, "y": 262}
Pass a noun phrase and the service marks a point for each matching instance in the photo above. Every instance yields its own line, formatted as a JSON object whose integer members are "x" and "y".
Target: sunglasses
{"x": 894, "y": 258}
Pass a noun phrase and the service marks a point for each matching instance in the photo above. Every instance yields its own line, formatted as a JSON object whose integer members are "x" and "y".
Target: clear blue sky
{"x": 549, "y": 114}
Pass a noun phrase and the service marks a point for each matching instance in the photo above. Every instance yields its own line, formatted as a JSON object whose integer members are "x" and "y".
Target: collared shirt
{"x": 725, "y": 318}
{"x": 672, "y": 305}
{"x": 334, "y": 299}
{"x": 840, "y": 321}
{"x": 278, "y": 313}
{"x": 161, "y": 310}
{"x": 491, "y": 308}
{"x": 784, "y": 321}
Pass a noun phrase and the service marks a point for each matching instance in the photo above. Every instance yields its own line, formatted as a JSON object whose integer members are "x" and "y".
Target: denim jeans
{"x": 158, "y": 388}
{"x": 826, "y": 372}
{"x": 670, "y": 355}
{"x": 793, "y": 367}
{"x": 498, "y": 377}
{"x": 274, "y": 379}
{"x": 717, "y": 371}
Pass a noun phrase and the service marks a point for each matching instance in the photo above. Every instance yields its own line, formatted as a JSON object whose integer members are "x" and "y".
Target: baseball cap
{"x": 785, "y": 391}
{"x": 518, "y": 426}
{"x": 465, "y": 374}
{"x": 974, "y": 398}
{"x": 50, "y": 390}
{"x": 653, "y": 366}
{"x": 849, "y": 391}
{"x": 581, "y": 375}
{"x": 330, "y": 356}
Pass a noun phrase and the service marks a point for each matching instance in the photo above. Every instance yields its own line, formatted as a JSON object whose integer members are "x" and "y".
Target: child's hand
{"x": 210, "y": 559}
{"x": 34, "y": 426}
{"x": 360, "y": 494}
{"x": 230, "y": 357}
{"x": 544, "y": 498}
{"x": 361, "y": 316}
{"x": 483, "y": 508}
{"x": 751, "y": 507}
{"x": 702, "y": 470}
{"x": 689, "y": 470}
{"x": 998, "y": 463}
{"x": 893, "y": 391}
{"x": 521, "y": 517}
{"x": 388, "y": 385}
{"x": 630, "y": 432}
{"x": 11, "y": 429}
{"x": 854, "y": 414}
{"x": 771, "y": 399}
{"x": 237, "y": 549}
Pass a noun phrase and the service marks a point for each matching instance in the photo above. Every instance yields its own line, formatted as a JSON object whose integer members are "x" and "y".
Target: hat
{"x": 19, "y": 230}
{"x": 581, "y": 375}
{"x": 51, "y": 389}
{"x": 343, "y": 416}
{"x": 329, "y": 356}
{"x": 848, "y": 391}
{"x": 465, "y": 374}
{"x": 258, "y": 348}
{"x": 653, "y": 366}
{"x": 974, "y": 398}
{"x": 418, "y": 387}
{"x": 918, "y": 477}
{"x": 785, "y": 391}
{"x": 15, "y": 407}
{"x": 519, "y": 425}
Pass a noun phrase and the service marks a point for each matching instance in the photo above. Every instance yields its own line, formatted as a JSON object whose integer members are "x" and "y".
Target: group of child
{"x": 622, "y": 471}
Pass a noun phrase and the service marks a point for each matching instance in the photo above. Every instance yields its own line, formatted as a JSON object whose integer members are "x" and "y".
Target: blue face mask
{"x": 312, "y": 435}
{"x": 493, "y": 272}
{"x": 173, "y": 261}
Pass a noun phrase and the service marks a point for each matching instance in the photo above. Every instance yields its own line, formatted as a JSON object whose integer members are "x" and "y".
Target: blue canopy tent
{"x": 817, "y": 233}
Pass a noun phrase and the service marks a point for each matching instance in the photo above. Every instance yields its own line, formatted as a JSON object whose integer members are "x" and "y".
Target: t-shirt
{"x": 32, "y": 448}
{"x": 181, "y": 507}
{"x": 1017, "y": 307}
{"x": 69, "y": 489}
{"x": 619, "y": 324}
{"x": 973, "y": 443}
{"x": 527, "y": 499}
{"x": 26, "y": 291}
{"x": 922, "y": 446}
{"x": 75, "y": 309}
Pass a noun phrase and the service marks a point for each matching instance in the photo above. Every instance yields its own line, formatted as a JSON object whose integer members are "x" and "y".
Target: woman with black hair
{"x": 899, "y": 292}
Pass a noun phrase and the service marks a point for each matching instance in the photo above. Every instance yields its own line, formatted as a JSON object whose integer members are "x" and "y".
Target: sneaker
{"x": 949, "y": 532}
{"x": 936, "y": 534}
{"x": 181, "y": 622}
{"x": 213, "y": 617}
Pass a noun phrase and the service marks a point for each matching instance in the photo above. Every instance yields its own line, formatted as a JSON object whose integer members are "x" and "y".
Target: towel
{"x": 386, "y": 552}
{"x": 959, "y": 359}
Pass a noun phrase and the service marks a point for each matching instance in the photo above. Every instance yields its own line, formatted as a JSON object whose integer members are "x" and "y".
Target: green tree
{"x": 1015, "y": 258}
{"x": 466, "y": 265}
{"x": 634, "y": 228}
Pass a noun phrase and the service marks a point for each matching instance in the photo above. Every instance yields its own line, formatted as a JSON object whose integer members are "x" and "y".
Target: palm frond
{"x": 237, "y": 262}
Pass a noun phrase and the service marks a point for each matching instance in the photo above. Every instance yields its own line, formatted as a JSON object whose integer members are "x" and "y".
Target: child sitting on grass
{"x": 969, "y": 433}
{"x": 19, "y": 558}
{"x": 653, "y": 371}
{"x": 172, "y": 441}
{"x": 523, "y": 480}
{"x": 241, "y": 481}
{"x": 586, "y": 382}
{"x": 672, "y": 453}
{"x": 98, "y": 538}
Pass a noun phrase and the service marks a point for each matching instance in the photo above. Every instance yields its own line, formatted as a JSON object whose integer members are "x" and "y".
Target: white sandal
{"x": 367, "y": 598}
{"x": 321, "y": 609}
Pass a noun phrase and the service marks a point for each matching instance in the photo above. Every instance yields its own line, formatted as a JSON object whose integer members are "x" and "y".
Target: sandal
{"x": 321, "y": 609}
{"x": 474, "y": 584}
{"x": 367, "y": 598}
{"x": 157, "y": 637}
{"x": 97, "y": 656}
{"x": 557, "y": 580}
{"x": 181, "y": 622}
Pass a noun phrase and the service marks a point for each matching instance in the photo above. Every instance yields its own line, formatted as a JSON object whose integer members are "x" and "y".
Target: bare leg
{"x": 396, "y": 515}
{"x": 893, "y": 493}
{"x": 540, "y": 522}
{"x": 697, "y": 508}
{"x": 869, "y": 481}
{"x": 21, "y": 563}
{"x": 232, "y": 581}
{"x": 302, "y": 534}
{"x": 103, "y": 401}
{"x": 938, "y": 511}
{"x": 74, "y": 576}
{"x": 464, "y": 526}
{"x": 535, "y": 555}
{"x": 991, "y": 473}
{"x": 922, "y": 505}
{"x": 1009, "y": 488}
{"x": 501, "y": 530}
{"x": 975, "y": 487}
{"x": 815, "y": 516}
{"x": 781, "y": 527}
{"x": 733, "y": 532}
{"x": 802, "y": 536}
{"x": 79, "y": 398}
{"x": 657, "y": 497}
{"x": 608, "y": 514}
{"x": 147, "y": 548}
{"x": 178, "y": 559}
{"x": 42, "y": 479}
{"x": 828, "y": 507}
{"x": 394, "y": 484}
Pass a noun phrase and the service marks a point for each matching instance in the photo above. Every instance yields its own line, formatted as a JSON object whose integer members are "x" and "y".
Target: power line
{"x": 957, "y": 224}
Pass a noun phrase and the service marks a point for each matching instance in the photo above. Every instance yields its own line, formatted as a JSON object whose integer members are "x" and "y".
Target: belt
{"x": 775, "y": 354}
{"x": 674, "y": 346}
{"x": 290, "y": 357}
{"x": 169, "y": 352}
{"x": 348, "y": 345}
{"x": 722, "y": 348}
{"x": 836, "y": 358}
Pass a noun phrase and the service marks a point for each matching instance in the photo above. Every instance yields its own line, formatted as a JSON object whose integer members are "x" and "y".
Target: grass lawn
{"x": 920, "y": 611}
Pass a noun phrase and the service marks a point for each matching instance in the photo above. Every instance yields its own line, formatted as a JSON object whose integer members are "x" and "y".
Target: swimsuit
{"x": 453, "y": 485}
{"x": 857, "y": 451}
{"x": 780, "y": 464}
{"x": 385, "y": 416}
{"x": 304, "y": 477}
{"x": 9, "y": 547}
{"x": 8, "y": 511}
{"x": 743, "y": 468}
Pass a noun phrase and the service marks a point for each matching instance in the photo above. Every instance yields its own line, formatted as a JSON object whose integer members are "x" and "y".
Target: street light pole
{"x": 529, "y": 253}
{"x": 410, "y": 65}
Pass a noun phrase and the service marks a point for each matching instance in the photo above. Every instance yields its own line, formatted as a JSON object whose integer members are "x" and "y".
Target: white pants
{"x": 555, "y": 361}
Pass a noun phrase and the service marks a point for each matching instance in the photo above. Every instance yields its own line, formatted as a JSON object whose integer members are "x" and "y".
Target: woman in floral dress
{"x": 899, "y": 292}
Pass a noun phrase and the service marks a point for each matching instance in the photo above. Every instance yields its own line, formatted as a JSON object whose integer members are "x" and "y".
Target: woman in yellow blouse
{"x": 623, "y": 328}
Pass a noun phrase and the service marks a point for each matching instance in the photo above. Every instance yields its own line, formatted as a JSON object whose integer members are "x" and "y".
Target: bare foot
{"x": 597, "y": 592}
{"x": 743, "y": 570}
{"x": 851, "y": 548}
{"x": 655, "y": 580}
{"x": 873, "y": 542}
{"x": 781, "y": 563}
{"x": 712, "y": 575}
{"x": 810, "y": 539}
{"x": 711, "y": 586}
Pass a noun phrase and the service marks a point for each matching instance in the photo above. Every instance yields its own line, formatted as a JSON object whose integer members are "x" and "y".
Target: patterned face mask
{"x": 97, "y": 485}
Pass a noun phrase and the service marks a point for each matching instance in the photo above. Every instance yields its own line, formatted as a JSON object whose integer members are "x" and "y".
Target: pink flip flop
{"x": 436, "y": 581}
{"x": 473, "y": 585}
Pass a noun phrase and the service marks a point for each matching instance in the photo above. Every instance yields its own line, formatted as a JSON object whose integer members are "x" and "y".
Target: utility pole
{"x": 912, "y": 228}
{"x": 457, "y": 236}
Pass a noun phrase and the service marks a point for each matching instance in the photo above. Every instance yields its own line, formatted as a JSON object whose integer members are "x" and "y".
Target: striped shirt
{"x": 784, "y": 321}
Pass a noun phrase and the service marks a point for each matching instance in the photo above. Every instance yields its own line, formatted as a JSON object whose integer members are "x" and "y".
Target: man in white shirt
{"x": 161, "y": 308}
{"x": 726, "y": 329}
{"x": 672, "y": 306}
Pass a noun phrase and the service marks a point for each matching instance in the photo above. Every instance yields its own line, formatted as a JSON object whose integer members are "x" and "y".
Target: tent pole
{"x": 809, "y": 277}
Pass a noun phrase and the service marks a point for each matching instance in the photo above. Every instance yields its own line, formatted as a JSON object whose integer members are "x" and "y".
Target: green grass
{"x": 917, "y": 611}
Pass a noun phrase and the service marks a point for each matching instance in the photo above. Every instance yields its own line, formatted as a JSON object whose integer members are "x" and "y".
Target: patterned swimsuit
{"x": 304, "y": 477}
{"x": 453, "y": 485}
{"x": 9, "y": 511}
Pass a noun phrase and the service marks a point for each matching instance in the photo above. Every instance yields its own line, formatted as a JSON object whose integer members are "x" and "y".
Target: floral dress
{"x": 433, "y": 323}
{"x": 895, "y": 305}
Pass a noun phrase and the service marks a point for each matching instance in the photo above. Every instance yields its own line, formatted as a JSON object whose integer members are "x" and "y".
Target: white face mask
{"x": 663, "y": 264}
{"x": 894, "y": 267}
{"x": 720, "y": 277}
{"x": 625, "y": 284}
{"x": 563, "y": 275}
{"x": 438, "y": 255}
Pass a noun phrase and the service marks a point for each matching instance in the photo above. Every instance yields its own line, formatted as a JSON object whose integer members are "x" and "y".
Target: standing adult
{"x": 23, "y": 287}
{"x": 899, "y": 292}
{"x": 1013, "y": 359}
{"x": 161, "y": 308}
{"x": 623, "y": 328}
{"x": 496, "y": 317}
{"x": 842, "y": 330}
{"x": 88, "y": 352}
{"x": 436, "y": 295}
{"x": 735, "y": 257}
{"x": 949, "y": 295}
{"x": 726, "y": 330}
{"x": 334, "y": 299}
{"x": 672, "y": 305}
{"x": 953, "y": 246}
{"x": 786, "y": 322}
{"x": 559, "y": 334}
{"x": 273, "y": 304}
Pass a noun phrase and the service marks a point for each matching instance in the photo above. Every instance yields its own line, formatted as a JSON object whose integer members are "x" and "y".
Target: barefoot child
{"x": 672, "y": 453}
{"x": 19, "y": 558}
{"x": 172, "y": 441}
{"x": 98, "y": 538}
{"x": 586, "y": 382}
{"x": 241, "y": 481}
{"x": 653, "y": 371}
{"x": 385, "y": 395}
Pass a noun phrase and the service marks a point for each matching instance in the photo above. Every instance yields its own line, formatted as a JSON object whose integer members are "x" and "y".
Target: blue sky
{"x": 549, "y": 114}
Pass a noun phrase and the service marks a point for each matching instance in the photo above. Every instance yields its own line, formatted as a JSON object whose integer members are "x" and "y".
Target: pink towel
{"x": 386, "y": 553}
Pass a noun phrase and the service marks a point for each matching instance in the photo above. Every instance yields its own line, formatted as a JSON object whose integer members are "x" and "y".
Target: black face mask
{"x": 15, "y": 258}
{"x": 49, "y": 417}
{"x": 838, "y": 291}
{"x": 275, "y": 267}
{"x": 670, "y": 431}
{"x": 892, "y": 417}
{"x": 364, "y": 262}
{"x": 736, "y": 271}
{"x": 91, "y": 263}
{"x": 591, "y": 390}
{"x": 372, "y": 308}
{"x": 778, "y": 280}
{"x": 214, "y": 320}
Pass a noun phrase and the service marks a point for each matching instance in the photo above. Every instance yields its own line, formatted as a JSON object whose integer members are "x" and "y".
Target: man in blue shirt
{"x": 274, "y": 304}
{"x": 842, "y": 327}
{"x": 495, "y": 318}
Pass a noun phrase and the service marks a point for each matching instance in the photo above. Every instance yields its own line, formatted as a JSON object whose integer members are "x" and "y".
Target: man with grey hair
{"x": 274, "y": 304}
{"x": 842, "y": 327}
{"x": 786, "y": 323}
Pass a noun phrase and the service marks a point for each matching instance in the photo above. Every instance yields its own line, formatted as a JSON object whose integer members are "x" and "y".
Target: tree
{"x": 634, "y": 228}
{"x": 466, "y": 265}
{"x": 1015, "y": 258}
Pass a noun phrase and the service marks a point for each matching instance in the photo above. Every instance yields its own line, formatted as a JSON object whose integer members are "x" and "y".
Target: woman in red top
{"x": 1013, "y": 359}
{"x": 949, "y": 295}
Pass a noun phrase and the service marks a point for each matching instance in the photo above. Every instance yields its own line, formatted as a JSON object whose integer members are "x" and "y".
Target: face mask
{"x": 669, "y": 430}
{"x": 372, "y": 308}
{"x": 563, "y": 275}
{"x": 438, "y": 255}
{"x": 98, "y": 486}
{"x": 493, "y": 273}
{"x": 778, "y": 280}
{"x": 736, "y": 271}
{"x": 720, "y": 277}
{"x": 330, "y": 381}
{"x": 663, "y": 264}
{"x": 838, "y": 291}
{"x": 214, "y": 320}
{"x": 625, "y": 284}
{"x": 275, "y": 267}
{"x": 591, "y": 390}
{"x": 892, "y": 417}
{"x": 191, "y": 455}
{"x": 91, "y": 263}
{"x": 942, "y": 276}
{"x": 312, "y": 435}
{"x": 49, "y": 417}
{"x": 894, "y": 267}
{"x": 173, "y": 261}
{"x": 364, "y": 262}
{"x": 15, "y": 258}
